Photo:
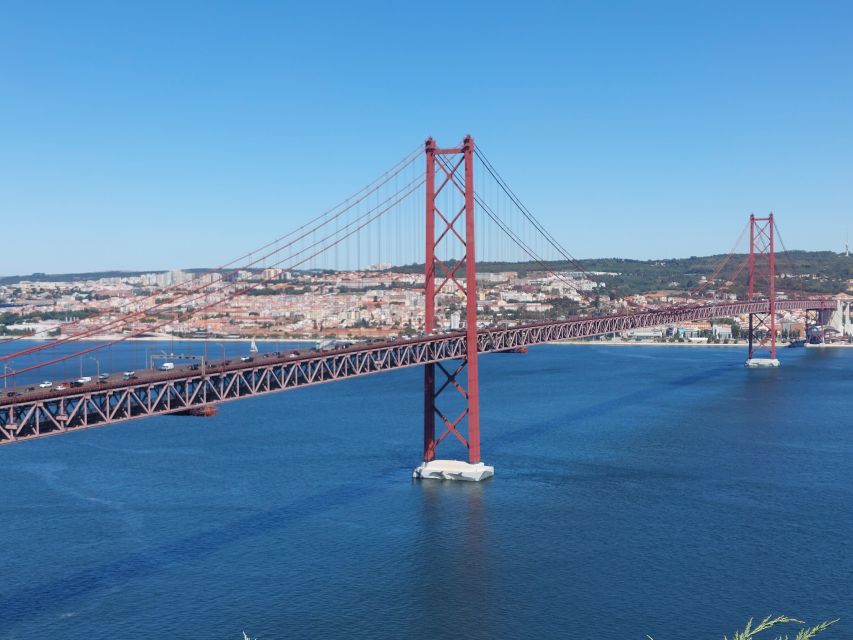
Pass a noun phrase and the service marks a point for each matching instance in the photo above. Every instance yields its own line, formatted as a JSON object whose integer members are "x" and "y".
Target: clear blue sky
{"x": 178, "y": 134}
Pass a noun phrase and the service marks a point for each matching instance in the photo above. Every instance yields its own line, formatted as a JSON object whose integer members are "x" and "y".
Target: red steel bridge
{"x": 453, "y": 210}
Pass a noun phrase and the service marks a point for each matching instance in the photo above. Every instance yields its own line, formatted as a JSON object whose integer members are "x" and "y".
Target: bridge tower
{"x": 762, "y": 278}
{"x": 451, "y": 170}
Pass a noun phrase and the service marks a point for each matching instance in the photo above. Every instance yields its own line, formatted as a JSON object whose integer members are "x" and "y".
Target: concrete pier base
{"x": 761, "y": 362}
{"x": 453, "y": 470}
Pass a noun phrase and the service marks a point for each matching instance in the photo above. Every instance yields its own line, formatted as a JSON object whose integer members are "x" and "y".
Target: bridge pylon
{"x": 762, "y": 275}
{"x": 449, "y": 229}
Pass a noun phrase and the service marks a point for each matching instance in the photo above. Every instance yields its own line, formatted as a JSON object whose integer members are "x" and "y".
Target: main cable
{"x": 411, "y": 188}
{"x": 221, "y": 277}
{"x": 527, "y": 213}
{"x": 360, "y": 195}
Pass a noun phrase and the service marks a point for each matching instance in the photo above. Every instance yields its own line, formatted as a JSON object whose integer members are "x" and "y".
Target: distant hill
{"x": 824, "y": 272}
{"x": 70, "y": 277}
{"x": 91, "y": 275}
{"x": 817, "y": 271}
{"x": 813, "y": 271}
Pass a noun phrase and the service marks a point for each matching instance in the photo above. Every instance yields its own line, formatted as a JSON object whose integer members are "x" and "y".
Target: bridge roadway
{"x": 42, "y": 412}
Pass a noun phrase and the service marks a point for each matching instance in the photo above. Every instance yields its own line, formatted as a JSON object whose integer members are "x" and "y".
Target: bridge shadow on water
{"x": 23, "y": 603}
{"x": 634, "y": 398}
{"x": 19, "y": 604}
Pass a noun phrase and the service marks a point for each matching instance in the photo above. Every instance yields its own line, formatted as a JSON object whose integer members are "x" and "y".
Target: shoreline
{"x": 599, "y": 343}
{"x": 111, "y": 337}
{"x": 607, "y": 343}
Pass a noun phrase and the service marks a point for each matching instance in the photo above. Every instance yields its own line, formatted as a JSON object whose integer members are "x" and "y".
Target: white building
{"x": 722, "y": 331}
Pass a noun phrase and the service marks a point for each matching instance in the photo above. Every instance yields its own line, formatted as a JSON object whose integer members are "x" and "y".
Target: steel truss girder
{"x": 53, "y": 413}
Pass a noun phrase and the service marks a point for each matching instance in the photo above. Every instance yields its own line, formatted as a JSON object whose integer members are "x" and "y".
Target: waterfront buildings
{"x": 282, "y": 304}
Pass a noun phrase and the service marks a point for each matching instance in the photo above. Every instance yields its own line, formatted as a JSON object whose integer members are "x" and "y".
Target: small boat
{"x": 203, "y": 411}
{"x": 521, "y": 349}
{"x": 253, "y": 348}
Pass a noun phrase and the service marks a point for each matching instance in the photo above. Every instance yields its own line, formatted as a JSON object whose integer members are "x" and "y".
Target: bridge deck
{"x": 40, "y": 413}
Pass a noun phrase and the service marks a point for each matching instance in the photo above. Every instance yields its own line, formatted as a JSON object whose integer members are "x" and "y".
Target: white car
{"x": 85, "y": 379}
{"x": 167, "y": 366}
{"x": 61, "y": 387}
{"x": 46, "y": 384}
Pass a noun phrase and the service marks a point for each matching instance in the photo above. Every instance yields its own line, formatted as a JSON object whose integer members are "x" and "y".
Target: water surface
{"x": 638, "y": 490}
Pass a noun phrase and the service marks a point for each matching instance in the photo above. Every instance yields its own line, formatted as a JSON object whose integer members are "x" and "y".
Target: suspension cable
{"x": 347, "y": 204}
{"x": 451, "y": 174}
{"x": 527, "y": 213}
{"x": 698, "y": 288}
{"x": 409, "y": 189}
{"x": 221, "y": 277}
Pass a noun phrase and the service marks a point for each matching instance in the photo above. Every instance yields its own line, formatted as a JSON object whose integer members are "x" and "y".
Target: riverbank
{"x": 599, "y": 343}
{"x": 168, "y": 338}
{"x": 613, "y": 343}
{"x": 608, "y": 343}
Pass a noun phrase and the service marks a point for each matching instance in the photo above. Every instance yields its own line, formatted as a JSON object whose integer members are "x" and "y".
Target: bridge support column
{"x": 813, "y": 331}
{"x": 762, "y": 273}
{"x": 455, "y": 169}
{"x": 824, "y": 318}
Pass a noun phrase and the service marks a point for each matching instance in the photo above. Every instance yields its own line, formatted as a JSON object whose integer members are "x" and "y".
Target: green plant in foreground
{"x": 749, "y": 632}
{"x": 805, "y": 633}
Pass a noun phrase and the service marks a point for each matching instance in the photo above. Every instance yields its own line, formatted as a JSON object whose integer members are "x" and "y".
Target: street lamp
{"x": 97, "y": 365}
{"x": 6, "y": 369}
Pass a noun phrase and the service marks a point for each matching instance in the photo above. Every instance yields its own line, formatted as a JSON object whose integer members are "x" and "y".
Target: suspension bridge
{"x": 411, "y": 214}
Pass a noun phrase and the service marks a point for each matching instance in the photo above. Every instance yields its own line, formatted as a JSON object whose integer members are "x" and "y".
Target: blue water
{"x": 638, "y": 490}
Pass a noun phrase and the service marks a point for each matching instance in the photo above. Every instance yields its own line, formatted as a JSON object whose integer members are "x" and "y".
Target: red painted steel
{"x": 429, "y": 298}
{"x": 222, "y": 273}
{"x": 51, "y": 412}
{"x": 449, "y": 165}
{"x": 471, "y": 307}
{"x": 762, "y": 272}
{"x": 407, "y": 191}
{"x": 772, "y": 281}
